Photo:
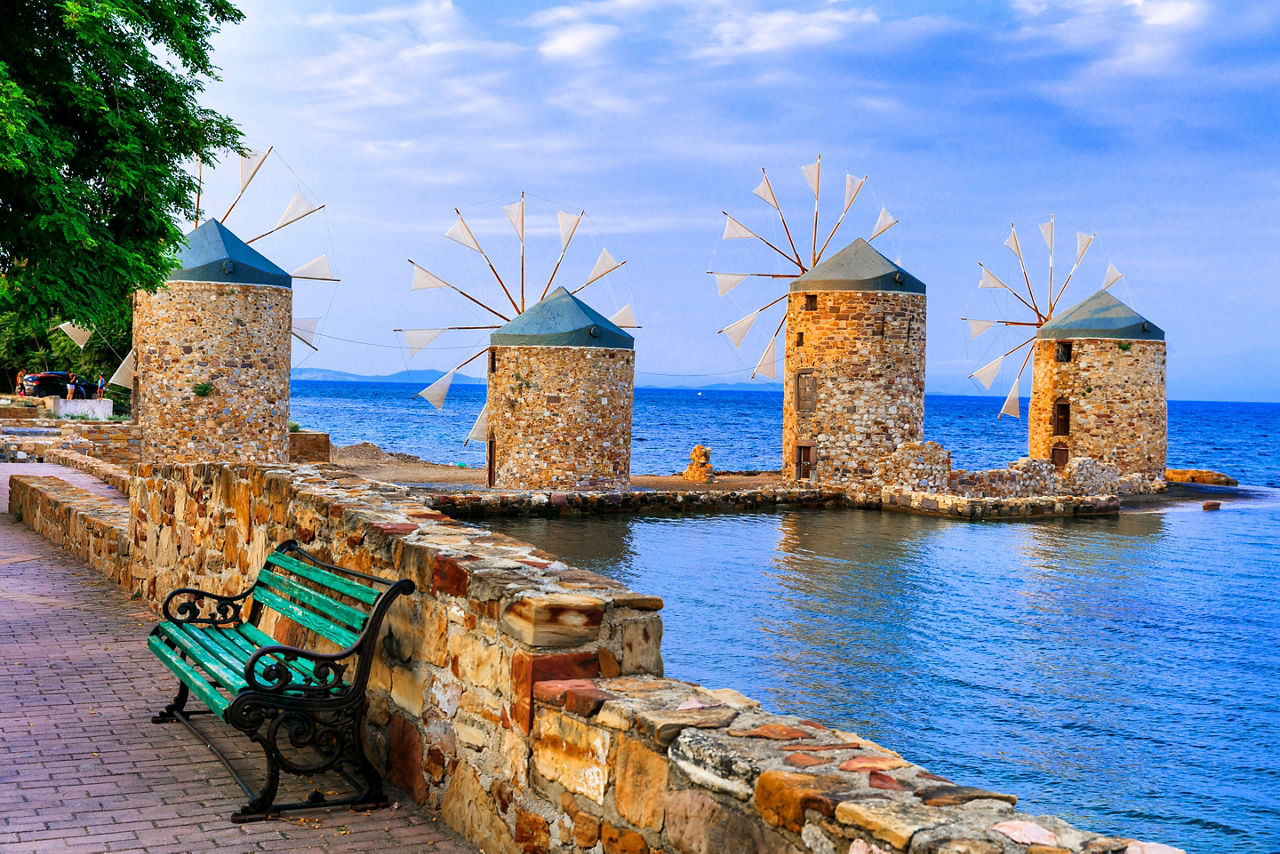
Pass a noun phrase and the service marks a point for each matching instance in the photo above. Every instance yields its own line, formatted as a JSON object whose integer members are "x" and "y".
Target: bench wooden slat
{"x": 353, "y": 617}
{"x": 340, "y": 635}
{"x": 212, "y": 640}
{"x": 189, "y": 676}
{"x": 345, "y": 586}
{"x": 249, "y": 639}
{"x": 197, "y": 649}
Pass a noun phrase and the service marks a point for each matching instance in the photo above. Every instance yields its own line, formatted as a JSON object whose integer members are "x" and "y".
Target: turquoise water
{"x": 1122, "y": 673}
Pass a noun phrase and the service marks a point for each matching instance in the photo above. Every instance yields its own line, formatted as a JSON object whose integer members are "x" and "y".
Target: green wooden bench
{"x": 303, "y": 707}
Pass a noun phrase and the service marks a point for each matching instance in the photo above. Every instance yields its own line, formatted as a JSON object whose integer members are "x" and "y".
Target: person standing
{"x": 22, "y": 392}
{"x": 71, "y": 386}
{"x": 102, "y": 386}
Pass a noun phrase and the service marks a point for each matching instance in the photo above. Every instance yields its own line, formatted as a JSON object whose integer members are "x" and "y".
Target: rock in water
{"x": 699, "y": 470}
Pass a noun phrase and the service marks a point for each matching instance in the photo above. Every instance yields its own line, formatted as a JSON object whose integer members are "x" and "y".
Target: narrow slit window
{"x": 1063, "y": 351}
{"x": 810, "y": 302}
{"x": 1062, "y": 418}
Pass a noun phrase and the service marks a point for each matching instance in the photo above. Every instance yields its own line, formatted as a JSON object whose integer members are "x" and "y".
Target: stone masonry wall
{"x": 866, "y": 351}
{"x": 560, "y": 417}
{"x": 235, "y": 337}
{"x": 524, "y": 698}
{"x": 1118, "y": 407}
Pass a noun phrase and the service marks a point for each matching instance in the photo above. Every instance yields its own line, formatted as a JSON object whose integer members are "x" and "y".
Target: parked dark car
{"x": 55, "y": 383}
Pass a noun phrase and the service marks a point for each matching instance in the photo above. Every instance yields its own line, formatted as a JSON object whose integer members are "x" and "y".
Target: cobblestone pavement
{"x": 82, "y": 768}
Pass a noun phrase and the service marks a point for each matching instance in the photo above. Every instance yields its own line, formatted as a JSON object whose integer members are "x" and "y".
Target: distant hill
{"x": 425, "y": 377}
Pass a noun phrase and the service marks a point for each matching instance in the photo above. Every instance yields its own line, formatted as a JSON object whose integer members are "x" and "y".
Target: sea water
{"x": 1122, "y": 673}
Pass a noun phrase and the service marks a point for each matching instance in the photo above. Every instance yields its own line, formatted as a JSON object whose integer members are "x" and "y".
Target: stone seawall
{"x": 525, "y": 699}
{"x": 481, "y": 504}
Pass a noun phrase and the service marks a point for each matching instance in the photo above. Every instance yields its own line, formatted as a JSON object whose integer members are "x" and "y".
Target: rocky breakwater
{"x": 589, "y": 502}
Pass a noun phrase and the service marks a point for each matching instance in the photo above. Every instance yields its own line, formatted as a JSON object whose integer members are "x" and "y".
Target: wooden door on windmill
{"x": 806, "y": 391}
{"x": 1059, "y": 456}
{"x": 1062, "y": 418}
{"x": 804, "y": 462}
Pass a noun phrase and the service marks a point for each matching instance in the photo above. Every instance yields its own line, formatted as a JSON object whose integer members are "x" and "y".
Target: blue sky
{"x": 1152, "y": 124}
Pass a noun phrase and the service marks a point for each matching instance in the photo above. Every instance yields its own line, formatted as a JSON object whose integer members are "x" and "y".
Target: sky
{"x": 1150, "y": 123}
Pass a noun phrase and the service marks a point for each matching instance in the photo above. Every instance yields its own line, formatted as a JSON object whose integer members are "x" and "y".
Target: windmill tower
{"x": 1098, "y": 389}
{"x": 1098, "y": 370}
{"x": 854, "y": 346}
{"x": 211, "y": 352}
{"x": 854, "y": 386}
{"x": 560, "y": 391}
{"x": 212, "y": 356}
{"x": 560, "y": 375}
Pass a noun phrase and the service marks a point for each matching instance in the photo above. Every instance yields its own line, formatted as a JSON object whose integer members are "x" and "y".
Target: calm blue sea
{"x": 1122, "y": 673}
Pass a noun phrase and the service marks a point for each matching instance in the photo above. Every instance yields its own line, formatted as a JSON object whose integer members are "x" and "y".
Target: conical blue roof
{"x": 858, "y": 267}
{"x": 1101, "y": 316}
{"x": 561, "y": 320}
{"x": 214, "y": 254}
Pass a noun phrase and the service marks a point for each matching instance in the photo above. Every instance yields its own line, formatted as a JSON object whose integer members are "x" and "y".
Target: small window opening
{"x": 493, "y": 360}
{"x": 877, "y": 328}
{"x": 810, "y": 302}
{"x": 1063, "y": 351}
{"x": 806, "y": 391}
{"x": 1062, "y": 418}
{"x": 799, "y": 339}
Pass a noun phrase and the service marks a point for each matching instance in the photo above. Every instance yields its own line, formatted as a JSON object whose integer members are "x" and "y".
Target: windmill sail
{"x": 423, "y": 279}
{"x": 734, "y": 230}
{"x": 605, "y": 265}
{"x": 299, "y": 206}
{"x": 78, "y": 334}
{"x": 624, "y": 317}
{"x": 419, "y": 338}
{"x": 813, "y": 174}
{"x": 479, "y": 430}
{"x": 1012, "y": 242}
{"x": 1046, "y": 230}
{"x": 765, "y": 191}
{"x": 883, "y": 224}
{"x": 977, "y": 327}
{"x": 728, "y": 281}
{"x": 459, "y": 233}
{"x": 738, "y": 329}
{"x": 987, "y": 373}
{"x": 435, "y": 393}
{"x": 1113, "y": 276}
{"x": 515, "y": 213}
{"x": 124, "y": 374}
{"x": 316, "y": 268}
{"x": 568, "y": 225}
{"x": 989, "y": 280}
{"x": 1010, "y": 407}
{"x": 304, "y": 329}
{"x": 1082, "y": 245}
{"x": 852, "y": 186}
{"x": 765, "y": 367}
{"x": 249, "y": 166}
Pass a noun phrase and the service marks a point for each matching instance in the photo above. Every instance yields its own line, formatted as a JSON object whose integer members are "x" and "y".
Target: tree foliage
{"x": 27, "y": 345}
{"x": 99, "y": 124}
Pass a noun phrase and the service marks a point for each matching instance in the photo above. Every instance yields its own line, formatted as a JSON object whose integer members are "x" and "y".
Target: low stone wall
{"x": 116, "y": 442}
{"x": 94, "y": 529}
{"x": 113, "y": 475}
{"x": 524, "y": 699}
{"x": 94, "y": 408}
{"x": 481, "y": 504}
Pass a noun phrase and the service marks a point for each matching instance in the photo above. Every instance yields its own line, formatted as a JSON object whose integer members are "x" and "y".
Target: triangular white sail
{"x": 77, "y": 334}
{"x": 423, "y": 279}
{"x": 1012, "y": 242}
{"x": 624, "y": 317}
{"x": 734, "y": 229}
{"x": 568, "y": 225}
{"x": 461, "y": 234}
{"x": 299, "y": 206}
{"x": 435, "y": 393}
{"x": 765, "y": 191}
{"x": 812, "y": 174}
{"x": 419, "y": 338}
{"x": 1082, "y": 244}
{"x": 249, "y": 166}
{"x": 1046, "y": 230}
{"x": 604, "y": 266}
{"x": 316, "y": 268}
{"x": 852, "y": 186}
{"x": 479, "y": 430}
{"x": 1113, "y": 276}
{"x": 304, "y": 329}
{"x": 883, "y": 224}
{"x": 989, "y": 280}
{"x": 977, "y": 327}
{"x": 1010, "y": 407}
{"x": 738, "y": 329}
{"x": 515, "y": 213}
{"x": 124, "y": 374}
{"x": 728, "y": 281}
{"x": 765, "y": 367}
{"x": 987, "y": 373}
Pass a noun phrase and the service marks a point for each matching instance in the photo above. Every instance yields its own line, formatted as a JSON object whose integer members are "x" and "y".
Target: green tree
{"x": 99, "y": 124}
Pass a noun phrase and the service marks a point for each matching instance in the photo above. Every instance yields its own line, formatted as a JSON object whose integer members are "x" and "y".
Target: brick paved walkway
{"x": 82, "y": 768}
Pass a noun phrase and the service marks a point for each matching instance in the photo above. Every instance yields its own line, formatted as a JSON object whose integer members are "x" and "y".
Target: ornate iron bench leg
{"x": 177, "y": 707}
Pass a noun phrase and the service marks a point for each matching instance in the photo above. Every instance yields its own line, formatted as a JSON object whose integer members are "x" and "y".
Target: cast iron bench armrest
{"x": 327, "y": 670}
{"x": 226, "y": 611}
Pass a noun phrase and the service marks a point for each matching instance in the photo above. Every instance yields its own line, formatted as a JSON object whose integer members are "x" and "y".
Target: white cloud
{"x": 580, "y": 41}
{"x": 782, "y": 30}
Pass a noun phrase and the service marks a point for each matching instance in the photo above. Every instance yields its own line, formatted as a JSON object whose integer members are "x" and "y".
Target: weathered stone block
{"x": 641, "y": 781}
{"x": 557, "y": 619}
{"x": 572, "y": 753}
